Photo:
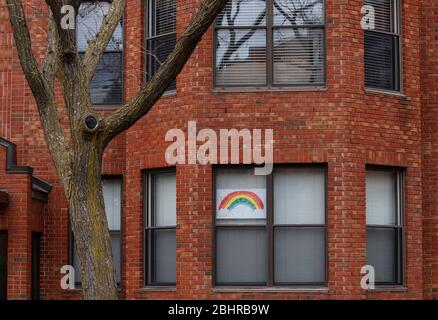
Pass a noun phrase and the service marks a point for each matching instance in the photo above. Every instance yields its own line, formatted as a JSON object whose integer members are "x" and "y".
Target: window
{"x": 160, "y": 34}
{"x": 270, "y": 230}
{"x": 382, "y": 46}
{"x": 270, "y": 43}
{"x": 112, "y": 194}
{"x": 3, "y": 264}
{"x": 35, "y": 266}
{"x": 384, "y": 207}
{"x": 160, "y": 230}
{"x": 106, "y": 87}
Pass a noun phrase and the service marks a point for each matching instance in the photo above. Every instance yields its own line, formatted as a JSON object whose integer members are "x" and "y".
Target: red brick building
{"x": 354, "y": 115}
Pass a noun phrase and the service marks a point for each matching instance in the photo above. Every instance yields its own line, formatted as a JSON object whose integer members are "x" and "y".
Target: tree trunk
{"x": 89, "y": 223}
{"x": 78, "y": 159}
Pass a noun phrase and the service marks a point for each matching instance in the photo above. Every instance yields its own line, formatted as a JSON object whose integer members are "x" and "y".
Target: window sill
{"x": 385, "y": 92}
{"x": 271, "y": 89}
{"x": 158, "y": 289}
{"x": 271, "y": 289}
{"x": 394, "y": 288}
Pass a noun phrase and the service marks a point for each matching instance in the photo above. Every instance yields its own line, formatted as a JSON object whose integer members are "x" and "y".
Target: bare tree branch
{"x": 41, "y": 89}
{"x": 131, "y": 112}
{"x": 97, "y": 46}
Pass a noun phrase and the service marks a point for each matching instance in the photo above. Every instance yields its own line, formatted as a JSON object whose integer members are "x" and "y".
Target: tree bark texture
{"x": 78, "y": 157}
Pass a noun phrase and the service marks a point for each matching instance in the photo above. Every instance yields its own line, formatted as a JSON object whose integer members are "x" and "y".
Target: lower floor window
{"x": 384, "y": 216}
{"x": 270, "y": 230}
{"x": 112, "y": 194}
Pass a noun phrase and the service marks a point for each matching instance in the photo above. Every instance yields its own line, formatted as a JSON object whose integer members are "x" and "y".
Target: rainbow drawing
{"x": 246, "y": 198}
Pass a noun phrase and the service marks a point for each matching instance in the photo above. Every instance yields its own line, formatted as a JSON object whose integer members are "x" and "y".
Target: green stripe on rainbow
{"x": 247, "y": 198}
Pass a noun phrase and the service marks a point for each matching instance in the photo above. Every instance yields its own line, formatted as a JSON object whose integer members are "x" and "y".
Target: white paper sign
{"x": 241, "y": 204}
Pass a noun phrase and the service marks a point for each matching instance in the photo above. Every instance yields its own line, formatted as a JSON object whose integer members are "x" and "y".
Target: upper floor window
{"x": 3, "y": 264}
{"x": 160, "y": 34}
{"x": 270, "y": 43}
{"x": 106, "y": 86}
{"x": 271, "y": 230}
{"x": 382, "y": 46}
{"x": 384, "y": 218}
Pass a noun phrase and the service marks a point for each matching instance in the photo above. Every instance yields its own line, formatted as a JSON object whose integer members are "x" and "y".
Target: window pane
{"x": 299, "y": 56}
{"x": 380, "y": 197}
{"x": 164, "y": 256}
{"x": 240, "y": 197}
{"x": 299, "y": 196}
{"x": 299, "y": 255}
{"x": 241, "y": 256}
{"x": 292, "y": 12}
{"x": 112, "y": 190}
{"x": 157, "y": 53}
{"x": 381, "y": 60}
{"x": 241, "y": 57}
{"x": 107, "y": 82}
{"x": 164, "y": 199}
{"x": 381, "y": 253}
{"x": 164, "y": 20}
{"x": 382, "y": 11}
{"x": 89, "y": 20}
{"x": 243, "y": 13}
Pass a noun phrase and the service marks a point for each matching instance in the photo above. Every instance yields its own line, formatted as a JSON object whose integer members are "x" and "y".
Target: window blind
{"x": 160, "y": 233}
{"x": 160, "y": 35}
